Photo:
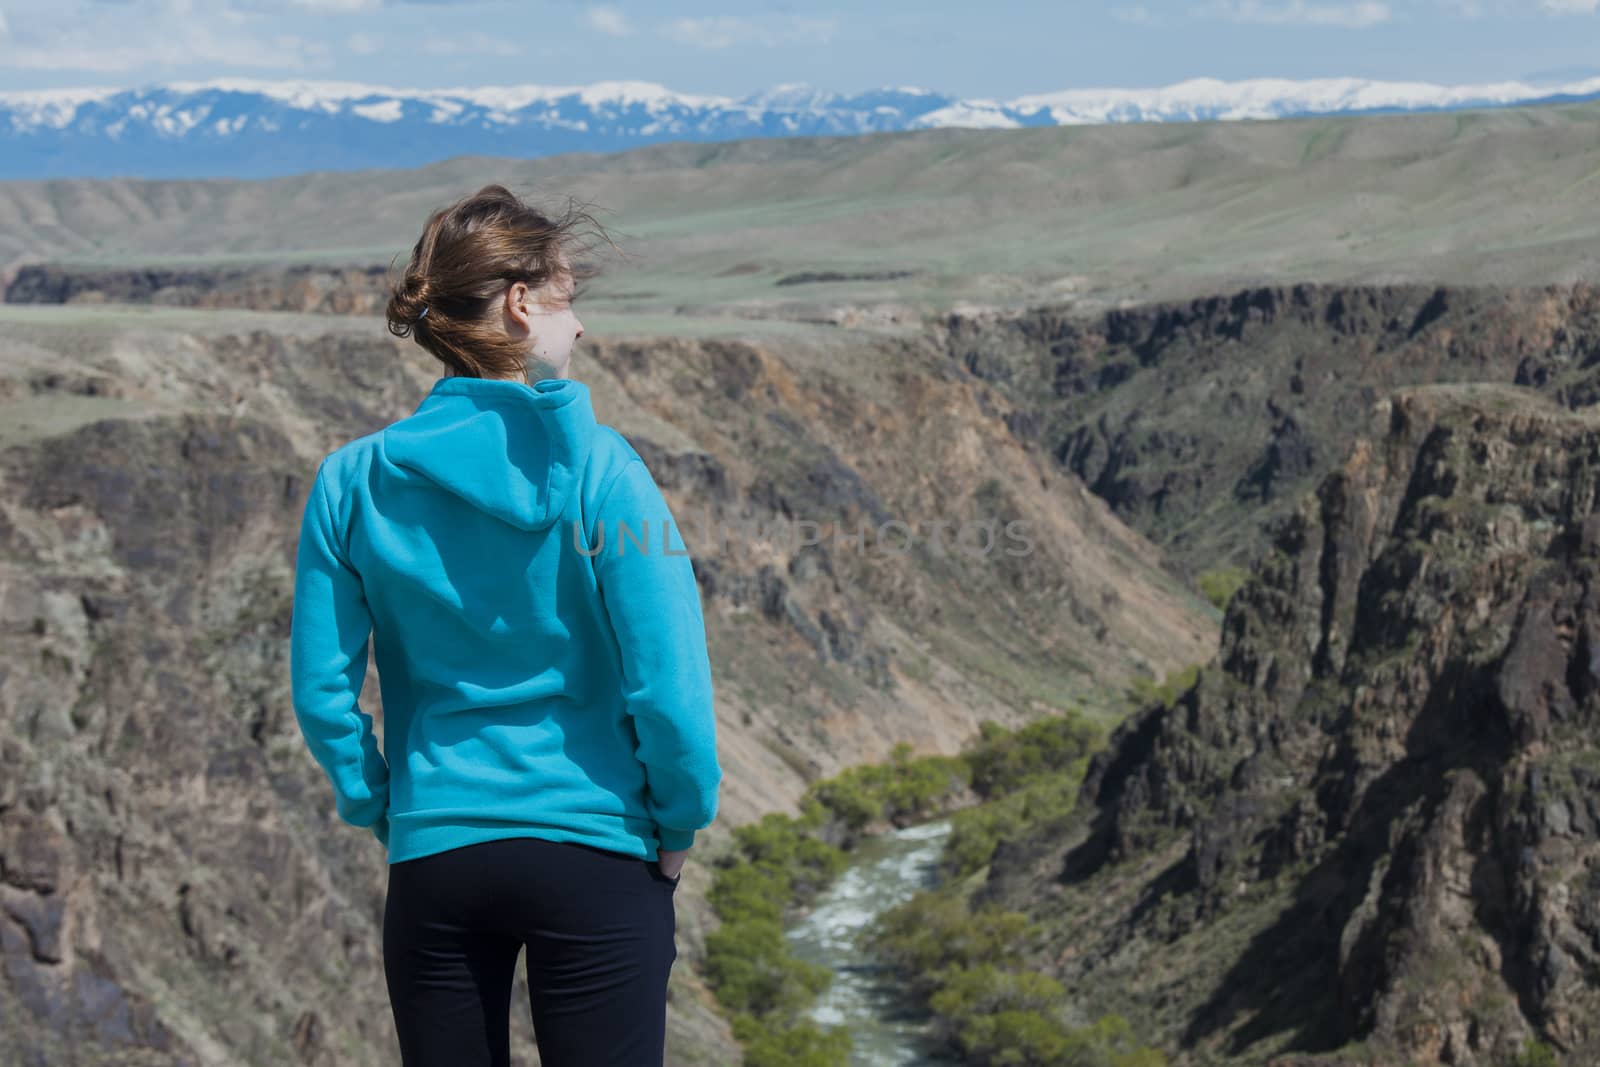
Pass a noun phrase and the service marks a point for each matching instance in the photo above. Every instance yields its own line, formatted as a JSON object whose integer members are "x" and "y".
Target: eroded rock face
{"x": 1196, "y": 419}
{"x": 147, "y": 847}
{"x": 294, "y": 287}
{"x": 174, "y": 884}
{"x": 1375, "y": 817}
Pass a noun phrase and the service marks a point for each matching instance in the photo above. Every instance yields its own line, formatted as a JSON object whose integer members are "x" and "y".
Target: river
{"x": 885, "y": 870}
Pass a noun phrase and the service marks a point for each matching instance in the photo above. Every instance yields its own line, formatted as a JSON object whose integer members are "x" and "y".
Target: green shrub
{"x": 1001, "y": 1017}
{"x": 1003, "y": 761}
{"x": 1536, "y": 1054}
{"x": 934, "y": 931}
{"x": 974, "y": 834}
{"x": 966, "y": 966}
{"x": 749, "y": 969}
{"x": 1220, "y": 583}
{"x": 854, "y": 798}
{"x": 918, "y": 786}
{"x": 905, "y": 788}
{"x": 1143, "y": 691}
{"x": 977, "y": 831}
{"x": 747, "y": 891}
{"x": 1014, "y": 1037}
{"x": 792, "y": 860}
{"x": 1029, "y": 776}
{"x": 767, "y": 1043}
{"x": 813, "y": 814}
{"x": 779, "y": 861}
{"x": 984, "y": 989}
{"x": 1034, "y": 1036}
{"x": 1111, "y": 1041}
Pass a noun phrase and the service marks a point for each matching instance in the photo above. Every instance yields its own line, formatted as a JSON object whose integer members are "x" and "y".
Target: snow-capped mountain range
{"x": 254, "y": 129}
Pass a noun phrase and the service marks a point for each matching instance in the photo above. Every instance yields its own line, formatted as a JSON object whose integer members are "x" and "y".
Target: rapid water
{"x": 886, "y": 870}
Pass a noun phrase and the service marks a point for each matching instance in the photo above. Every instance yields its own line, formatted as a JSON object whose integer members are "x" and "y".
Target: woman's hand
{"x": 671, "y": 861}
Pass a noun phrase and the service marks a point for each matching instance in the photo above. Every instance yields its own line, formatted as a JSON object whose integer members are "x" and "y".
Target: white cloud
{"x": 314, "y": 7}
{"x": 1357, "y": 15}
{"x": 109, "y": 38}
{"x": 336, "y": 7}
{"x": 1475, "y": 9}
{"x": 471, "y": 44}
{"x": 727, "y": 31}
{"x": 1135, "y": 13}
{"x": 608, "y": 20}
{"x": 122, "y": 38}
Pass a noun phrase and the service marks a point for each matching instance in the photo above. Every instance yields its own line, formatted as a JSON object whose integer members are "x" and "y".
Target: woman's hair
{"x": 460, "y": 267}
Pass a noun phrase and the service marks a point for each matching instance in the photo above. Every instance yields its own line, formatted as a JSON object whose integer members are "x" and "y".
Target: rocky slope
{"x": 269, "y": 287}
{"x": 1199, "y": 419}
{"x": 174, "y": 886}
{"x": 1370, "y": 832}
{"x": 1309, "y": 818}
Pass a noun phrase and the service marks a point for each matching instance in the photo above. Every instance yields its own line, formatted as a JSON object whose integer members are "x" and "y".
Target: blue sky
{"x": 995, "y": 49}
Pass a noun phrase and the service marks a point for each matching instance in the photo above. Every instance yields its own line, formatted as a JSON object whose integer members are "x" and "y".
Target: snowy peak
{"x": 248, "y": 128}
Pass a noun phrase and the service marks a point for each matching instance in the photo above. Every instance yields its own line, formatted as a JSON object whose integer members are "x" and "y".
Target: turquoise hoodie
{"x": 535, "y": 622}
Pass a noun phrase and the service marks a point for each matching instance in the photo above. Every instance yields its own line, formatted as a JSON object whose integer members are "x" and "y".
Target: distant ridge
{"x": 241, "y": 128}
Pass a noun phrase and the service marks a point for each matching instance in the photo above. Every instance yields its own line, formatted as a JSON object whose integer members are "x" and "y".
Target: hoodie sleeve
{"x": 327, "y": 665}
{"x": 653, "y": 602}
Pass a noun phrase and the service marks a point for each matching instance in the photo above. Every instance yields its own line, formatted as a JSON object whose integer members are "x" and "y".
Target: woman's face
{"x": 545, "y": 316}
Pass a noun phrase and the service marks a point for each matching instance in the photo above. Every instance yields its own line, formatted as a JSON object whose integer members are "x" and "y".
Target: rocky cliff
{"x": 346, "y": 290}
{"x": 1370, "y": 832}
{"x": 174, "y": 885}
{"x": 1200, "y": 420}
{"x": 1359, "y": 826}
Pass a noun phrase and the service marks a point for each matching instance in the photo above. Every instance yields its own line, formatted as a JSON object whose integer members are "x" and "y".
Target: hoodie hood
{"x": 513, "y": 450}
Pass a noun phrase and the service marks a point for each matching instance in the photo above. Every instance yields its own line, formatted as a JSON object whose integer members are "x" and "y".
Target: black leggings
{"x": 599, "y": 926}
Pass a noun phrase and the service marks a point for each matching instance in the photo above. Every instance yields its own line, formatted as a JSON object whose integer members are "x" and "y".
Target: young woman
{"x": 549, "y": 741}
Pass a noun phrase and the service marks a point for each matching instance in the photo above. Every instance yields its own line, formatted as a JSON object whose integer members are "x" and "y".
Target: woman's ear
{"x": 519, "y": 296}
